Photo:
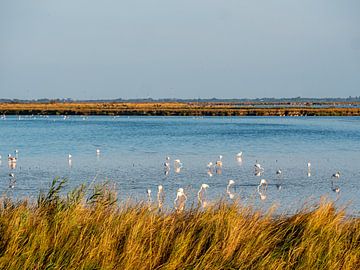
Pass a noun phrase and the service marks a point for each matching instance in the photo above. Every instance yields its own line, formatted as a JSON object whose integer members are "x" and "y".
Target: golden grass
{"x": 170, "y": 108}
{"x": 70, "y": 232}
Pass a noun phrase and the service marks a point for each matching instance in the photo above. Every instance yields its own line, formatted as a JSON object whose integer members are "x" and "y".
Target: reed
{"x": 174, "y": 109}
{"x": 82, "y": 230}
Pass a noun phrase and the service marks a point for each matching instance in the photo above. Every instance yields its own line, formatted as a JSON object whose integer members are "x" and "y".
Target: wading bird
{"x": 262, "y": 187}
{"x": 336, "y": 175}
{"x": 177, "y": 163}
{"x": 263, "y": 184}
{"x": 11, "y": 159}
{"x": 219, "y": 163}
{"x": 258, "y": 166}
{"x": 180, "y": 200}
{"x": 201, "y": 195}
{"x": 149, "y": 196}
{"x": 160, "y": 197}
{"x": 167, "y": 163}
{"x": 231, "y": 195}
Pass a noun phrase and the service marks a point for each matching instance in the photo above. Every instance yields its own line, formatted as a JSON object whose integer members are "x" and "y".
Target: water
{"x": 133, "y": 150}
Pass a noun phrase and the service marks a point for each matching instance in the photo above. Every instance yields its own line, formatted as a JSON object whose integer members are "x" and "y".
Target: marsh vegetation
{"x": 90, "y": 229}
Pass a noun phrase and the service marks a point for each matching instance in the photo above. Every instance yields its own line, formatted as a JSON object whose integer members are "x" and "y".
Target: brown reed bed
{"x": 172, "y": 109}
{"x": 94, "y": 231}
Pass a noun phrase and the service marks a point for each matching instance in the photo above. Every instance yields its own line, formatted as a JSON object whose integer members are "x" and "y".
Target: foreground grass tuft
{"x": 94, "y": 232}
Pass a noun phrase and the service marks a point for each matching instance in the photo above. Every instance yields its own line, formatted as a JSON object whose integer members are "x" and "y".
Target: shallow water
{"x": 133, "y": 150}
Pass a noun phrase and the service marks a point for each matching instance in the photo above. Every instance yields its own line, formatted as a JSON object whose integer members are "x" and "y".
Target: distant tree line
{"x": 215, "y": 100}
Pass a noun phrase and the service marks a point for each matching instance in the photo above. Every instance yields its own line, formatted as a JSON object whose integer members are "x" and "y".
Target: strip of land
{"x": 180, "y": 109}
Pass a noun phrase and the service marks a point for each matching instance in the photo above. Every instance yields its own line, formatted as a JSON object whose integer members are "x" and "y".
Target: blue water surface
{"x": 133, "y": 150}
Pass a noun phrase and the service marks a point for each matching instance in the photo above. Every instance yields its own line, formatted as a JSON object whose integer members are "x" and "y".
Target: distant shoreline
{"x": 183, "y": 108}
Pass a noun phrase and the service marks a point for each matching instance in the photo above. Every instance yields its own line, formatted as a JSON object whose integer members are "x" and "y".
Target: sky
{"x": 87, "y": 49}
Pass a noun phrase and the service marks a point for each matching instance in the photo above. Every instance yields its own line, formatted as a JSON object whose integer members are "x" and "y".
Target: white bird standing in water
{"x": 201, "y": 195}
{"x": 160, "y": 197}
{"x": 70, "y": 160}
{"x": 262, "y": 187}
{"x": 177, "y": 163}
{"x": 258, "y": 166}
{"x": 263, "y": 184}
{"x": 231, "y": 195}
{"x": 98, "y": 151}
{"x": 309, "y": 169}
{"x": 180, "y": 200}
{"x": 167, "y": 163}
{"x": 258, "y": 169}
{"x": 239, "y": 155}
{"x": 11, "y": 159}
{"x": 149, "y": 196}
{"x": 219, "y": 162}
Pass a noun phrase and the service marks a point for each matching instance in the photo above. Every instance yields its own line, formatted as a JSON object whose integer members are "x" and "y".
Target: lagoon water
{"x": 133, "y": 150}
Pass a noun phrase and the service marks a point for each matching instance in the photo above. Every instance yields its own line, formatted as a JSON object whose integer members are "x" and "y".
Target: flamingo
{"x": 180, "y": 200}
{"x": 258, "y": 166}
{"x": 231, "y": 195}
{"x": 167, "y": 163}
{"x": 149, "y": 196}
{"x": 201, "y": 194}
{"x": 219, "y": 162}
{"x": 263, "y": 183}
{"x": 11, "y": 159}
{"x": 177, "y": 163}
{"x": 160, "y": 196}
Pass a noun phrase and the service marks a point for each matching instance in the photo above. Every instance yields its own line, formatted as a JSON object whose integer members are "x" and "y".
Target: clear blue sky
{"x": 87, "y": 49}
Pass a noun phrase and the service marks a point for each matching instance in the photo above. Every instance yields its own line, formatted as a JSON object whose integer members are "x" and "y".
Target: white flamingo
{"x": 177, "y": 163}
{"x": 231, "y": 195}
{"x": 201, "y": 195}
{"x": 261, "y": 189}
{"x": 180, "y": 200}
{"x": 11, "y": 159}
{"x": 149, "y": 196}
{"x": 167, "y": 163}
{"x": 263, "y": 184}
{"x": 160, "y": 197}
{"x": 258, "y": 166}
{"x": 219, "y": 163}
{"x": 336, "y": 175}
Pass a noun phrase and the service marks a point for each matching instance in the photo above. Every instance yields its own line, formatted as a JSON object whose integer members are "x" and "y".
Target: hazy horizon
{"x": 179, "y": 49}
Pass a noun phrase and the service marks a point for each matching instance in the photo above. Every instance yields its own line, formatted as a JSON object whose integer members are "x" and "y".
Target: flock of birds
{"x": 181, "y": 197}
